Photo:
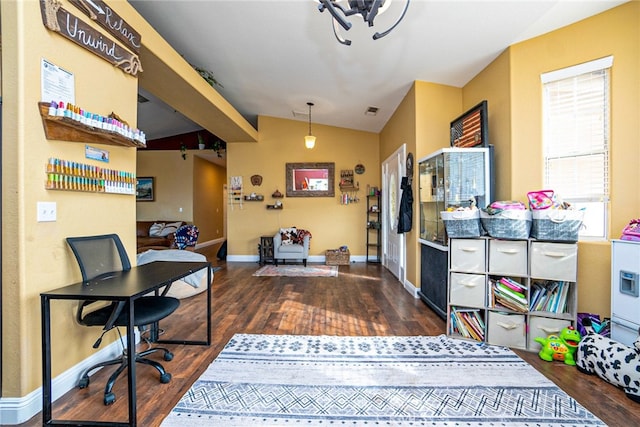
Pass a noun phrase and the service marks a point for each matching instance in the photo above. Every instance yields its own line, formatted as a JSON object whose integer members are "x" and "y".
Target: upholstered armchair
{"x": 291, "y": 243}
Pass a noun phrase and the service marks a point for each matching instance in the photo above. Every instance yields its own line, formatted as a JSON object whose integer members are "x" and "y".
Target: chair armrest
{"x": 277, "y": 240}
{"x": 305, "y": 245}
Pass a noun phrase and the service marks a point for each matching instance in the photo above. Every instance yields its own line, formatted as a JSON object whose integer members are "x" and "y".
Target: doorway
{"x": 393, "y": 243}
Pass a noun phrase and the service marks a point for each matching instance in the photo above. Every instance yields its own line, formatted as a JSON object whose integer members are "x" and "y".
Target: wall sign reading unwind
{"x": 61, "y": 21}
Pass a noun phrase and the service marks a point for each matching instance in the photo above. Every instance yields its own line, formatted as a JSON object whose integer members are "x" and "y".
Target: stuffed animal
{"x": 560, "y": 347}
{"x": 612, "y": 361}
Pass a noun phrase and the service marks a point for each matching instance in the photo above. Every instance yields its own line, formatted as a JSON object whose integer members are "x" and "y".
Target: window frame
{"x": 573, "y": 73}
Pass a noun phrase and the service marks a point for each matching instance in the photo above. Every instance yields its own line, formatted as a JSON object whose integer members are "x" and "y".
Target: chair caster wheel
{"x": 165, "y": 378}
{"x": 168, "y": 356}
{"x": 109, "y": 399}
{"x": 83, "y": 382}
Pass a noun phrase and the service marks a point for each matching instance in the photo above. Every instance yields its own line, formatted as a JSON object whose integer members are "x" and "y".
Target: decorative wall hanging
{"x": 61, "y": 21}
{"x": 471, "y": 128}
{"x": 101, "y": 13}
{"x": 256, "y": 180}
{"x": 359, "y": 169}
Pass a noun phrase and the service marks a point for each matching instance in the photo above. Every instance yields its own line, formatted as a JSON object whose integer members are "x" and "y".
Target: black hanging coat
{"x": 405, "y": 218}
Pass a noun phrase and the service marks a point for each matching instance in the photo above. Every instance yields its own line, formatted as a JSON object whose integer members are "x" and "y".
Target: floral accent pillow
{"x": 289, "y": 235}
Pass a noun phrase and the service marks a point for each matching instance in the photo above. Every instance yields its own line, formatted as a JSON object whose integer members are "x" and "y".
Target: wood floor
{"x": 364, "y": 300}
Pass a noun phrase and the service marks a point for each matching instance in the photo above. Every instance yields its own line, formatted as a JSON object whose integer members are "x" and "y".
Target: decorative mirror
{"x": 310, "y": 179}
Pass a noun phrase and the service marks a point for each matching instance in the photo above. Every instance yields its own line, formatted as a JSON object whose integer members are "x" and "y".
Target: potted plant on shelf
{"x": 219, "y": 146}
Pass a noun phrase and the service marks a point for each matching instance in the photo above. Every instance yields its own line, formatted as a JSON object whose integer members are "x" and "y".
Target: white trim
{"x": 411, "y": 288}
{"x": 316, "y": 259}
{"x": 576, "y": 70}
{"x": 17, "y": 410}
{"x": 210, "y": 242}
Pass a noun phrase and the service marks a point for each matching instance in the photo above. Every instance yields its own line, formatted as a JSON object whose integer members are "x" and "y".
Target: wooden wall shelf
{"x": 66, "y": 129}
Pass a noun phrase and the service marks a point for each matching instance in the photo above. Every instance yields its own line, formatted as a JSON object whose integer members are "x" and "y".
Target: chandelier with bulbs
{"x": 340, "y": 10}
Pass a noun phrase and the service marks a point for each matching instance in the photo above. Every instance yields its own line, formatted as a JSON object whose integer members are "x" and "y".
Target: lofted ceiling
{"x": 273, "y": 56}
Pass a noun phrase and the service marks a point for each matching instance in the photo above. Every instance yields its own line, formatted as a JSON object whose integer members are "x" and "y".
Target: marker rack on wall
{"x": 74, "y": 176}
{"x": 66, "y": 128}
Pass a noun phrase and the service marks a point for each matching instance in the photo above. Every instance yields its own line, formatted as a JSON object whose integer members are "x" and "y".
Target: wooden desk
{"x": 120, "y": 286}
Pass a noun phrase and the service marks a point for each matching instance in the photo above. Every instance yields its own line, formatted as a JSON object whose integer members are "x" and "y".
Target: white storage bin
{"x": 467, "y": 290}
{"x": 554, "y": 261}
{"x": 543, "y": 327}
{"x": 468, "y": 255}
{"x": 507, "y": 329}
{"x": 508, "y": 257}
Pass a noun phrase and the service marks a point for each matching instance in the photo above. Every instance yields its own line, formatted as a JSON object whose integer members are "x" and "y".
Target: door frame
{"x": 400, "y": 156}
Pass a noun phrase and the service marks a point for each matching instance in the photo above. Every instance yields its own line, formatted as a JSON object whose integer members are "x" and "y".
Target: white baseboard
{"x": 312, "y": 259}
{"x": 210, "y": 242}
{"x": 17, "y": 410}
{"x": 410, "y": 287}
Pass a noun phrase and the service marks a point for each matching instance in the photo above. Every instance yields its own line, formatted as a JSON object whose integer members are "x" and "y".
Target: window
{"x": 576, "y": 140}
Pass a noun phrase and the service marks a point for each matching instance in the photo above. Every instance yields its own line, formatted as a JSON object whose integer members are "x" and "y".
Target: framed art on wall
{"x": 145, "y": 189}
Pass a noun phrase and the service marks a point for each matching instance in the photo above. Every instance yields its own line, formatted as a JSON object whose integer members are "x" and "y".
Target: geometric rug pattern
{"x": 298, "y": 271}
{"x": 287, "y": 380}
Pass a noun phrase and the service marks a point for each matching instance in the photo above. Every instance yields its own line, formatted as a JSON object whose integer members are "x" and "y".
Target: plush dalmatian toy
{"x": 610, "y": 360}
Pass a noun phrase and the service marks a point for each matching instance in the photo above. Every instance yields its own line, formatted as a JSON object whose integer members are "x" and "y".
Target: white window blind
{"x": 576, "y": 139}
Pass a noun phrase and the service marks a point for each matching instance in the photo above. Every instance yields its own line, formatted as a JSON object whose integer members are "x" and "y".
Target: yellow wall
{"x": 512, "y": 86}
{"x": 173, "y": 178}
{"x": 330, "y": 223}
{"x": 422, "y": 122}
{"x": 493, "y": 84}
{"x": 35, "y": 255}
{"x": 189, "y": 190}
{"x": 208, "y": 199}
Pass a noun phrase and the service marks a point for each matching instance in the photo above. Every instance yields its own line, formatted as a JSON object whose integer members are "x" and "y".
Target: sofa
{"x": 291, "y": 243}
{"x": 156, "y": 234}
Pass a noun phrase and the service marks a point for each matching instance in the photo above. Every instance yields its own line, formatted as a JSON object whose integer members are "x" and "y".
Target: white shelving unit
{"x": 473, "y": 307}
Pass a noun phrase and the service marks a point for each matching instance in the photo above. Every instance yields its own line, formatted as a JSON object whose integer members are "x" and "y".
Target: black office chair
{"x": 102, "y": 255}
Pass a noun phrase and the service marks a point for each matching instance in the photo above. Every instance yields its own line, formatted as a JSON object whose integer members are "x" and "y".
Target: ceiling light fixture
{"x": 310, "y": 140}
{"x": 369, "y": 9}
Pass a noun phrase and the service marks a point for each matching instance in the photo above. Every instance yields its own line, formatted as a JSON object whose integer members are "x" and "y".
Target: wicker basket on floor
{"x": 337, "y": 257}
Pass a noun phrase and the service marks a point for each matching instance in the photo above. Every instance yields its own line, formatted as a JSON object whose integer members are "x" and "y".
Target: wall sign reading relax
{"x": 61, "y": 21}
{"x": 98, "y": 11}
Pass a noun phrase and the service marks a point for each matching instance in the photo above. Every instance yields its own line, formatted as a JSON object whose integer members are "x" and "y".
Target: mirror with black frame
{"x": 310, "y": 179}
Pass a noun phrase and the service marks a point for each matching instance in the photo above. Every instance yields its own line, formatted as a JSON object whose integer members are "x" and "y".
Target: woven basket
{"x": 508, "y": 224}
{"x": 461, "y": 224}
{"x": 559, "y": 225}
{"x": 337, "y": 257}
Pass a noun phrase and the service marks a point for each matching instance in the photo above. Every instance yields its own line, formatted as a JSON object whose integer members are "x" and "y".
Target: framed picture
{"x": 145, "y": 189}
{"x": 471, "y": 128}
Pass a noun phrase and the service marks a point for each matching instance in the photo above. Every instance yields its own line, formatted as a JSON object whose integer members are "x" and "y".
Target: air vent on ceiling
{"x": 142, "y": 99}
{"x": 300, "y": 114}
{"x": 371, "y": 111}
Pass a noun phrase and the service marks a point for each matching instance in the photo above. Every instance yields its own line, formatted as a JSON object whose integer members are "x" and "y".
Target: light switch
{"x": 46, "y": 211}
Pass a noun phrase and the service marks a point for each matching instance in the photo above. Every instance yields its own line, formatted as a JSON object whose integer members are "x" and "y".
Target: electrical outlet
{"x": 46, "y": 211}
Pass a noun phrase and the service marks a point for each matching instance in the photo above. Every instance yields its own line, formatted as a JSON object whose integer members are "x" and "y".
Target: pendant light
{"x": 310, "y": 140}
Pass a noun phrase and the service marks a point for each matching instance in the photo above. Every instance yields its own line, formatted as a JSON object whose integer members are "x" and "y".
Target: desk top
{"x": 123, "y": 285}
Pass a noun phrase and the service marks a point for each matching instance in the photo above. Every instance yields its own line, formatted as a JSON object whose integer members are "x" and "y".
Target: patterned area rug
{"x": 285, "y": 380}
{"x": 298, "y": 271}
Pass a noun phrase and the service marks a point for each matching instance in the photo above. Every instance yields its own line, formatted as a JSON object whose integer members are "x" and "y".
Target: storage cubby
{"x": 520, "y": 289}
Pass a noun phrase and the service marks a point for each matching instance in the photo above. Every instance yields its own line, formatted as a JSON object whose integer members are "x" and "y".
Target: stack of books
{"x": 508, "y": 293}
{"x": 549, "y": 296}
{"x": 468, "y": 323}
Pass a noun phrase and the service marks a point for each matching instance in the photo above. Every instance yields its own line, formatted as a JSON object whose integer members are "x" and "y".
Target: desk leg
{"x": 131, "y": 371}
{"x": 209, "y": 280}
{"x": 45, "y": 310}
